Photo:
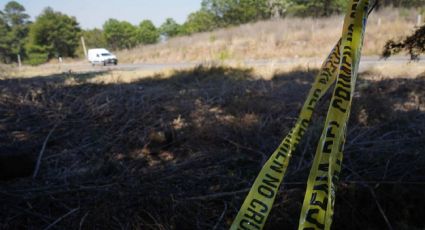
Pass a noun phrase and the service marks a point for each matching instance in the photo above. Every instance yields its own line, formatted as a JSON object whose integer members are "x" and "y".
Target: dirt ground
{"x": 181, "y": 152}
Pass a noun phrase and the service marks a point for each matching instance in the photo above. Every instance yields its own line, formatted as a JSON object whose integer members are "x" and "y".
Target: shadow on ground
{"x": 181, "y": 152}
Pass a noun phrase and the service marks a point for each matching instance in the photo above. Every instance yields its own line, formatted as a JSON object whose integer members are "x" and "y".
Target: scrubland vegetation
{"x": 287, "y": 38}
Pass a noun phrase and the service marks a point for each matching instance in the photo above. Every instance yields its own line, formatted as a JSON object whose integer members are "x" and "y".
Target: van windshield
{"x": 106, "y": 54}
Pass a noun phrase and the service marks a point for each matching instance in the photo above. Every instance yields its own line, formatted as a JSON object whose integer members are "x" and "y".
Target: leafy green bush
{"x": 37, "y": 58}
{"x": 170, "y": 28}
{"x": 200, "y": 21}
{"x": 120, "y": 34}
{"x": 147, "y": 32}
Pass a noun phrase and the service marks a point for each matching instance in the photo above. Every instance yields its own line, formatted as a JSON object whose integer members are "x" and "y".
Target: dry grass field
{"x": 179, "y": 150}
{"x": 281, "y": 39}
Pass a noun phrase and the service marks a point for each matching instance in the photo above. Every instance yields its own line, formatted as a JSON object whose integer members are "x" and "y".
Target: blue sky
{"x": 92, "y": 13}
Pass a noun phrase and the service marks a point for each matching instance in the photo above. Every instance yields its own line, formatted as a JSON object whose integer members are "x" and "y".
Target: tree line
{"x": 54, "y": 34}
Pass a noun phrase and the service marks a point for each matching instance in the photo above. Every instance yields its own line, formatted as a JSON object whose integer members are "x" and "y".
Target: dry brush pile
{"x": 182, "y": 152}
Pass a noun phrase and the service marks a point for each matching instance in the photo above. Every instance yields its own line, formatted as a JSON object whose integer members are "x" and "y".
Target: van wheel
{"x": 104, "y": 63}
{"x": 115, "y": 62}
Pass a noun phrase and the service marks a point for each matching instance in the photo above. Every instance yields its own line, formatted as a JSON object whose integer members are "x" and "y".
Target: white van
{"x": 101, "y": 56}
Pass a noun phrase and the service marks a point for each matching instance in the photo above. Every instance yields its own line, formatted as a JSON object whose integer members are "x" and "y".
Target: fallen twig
{"x": 61, "y": 218}
{"x": 40, "y": 155}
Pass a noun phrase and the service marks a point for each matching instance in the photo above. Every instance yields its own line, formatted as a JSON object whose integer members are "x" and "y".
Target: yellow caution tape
{"x": 317, "y": 211}
{"x": 317, "y": 206}
{"x": 258, "y": 203}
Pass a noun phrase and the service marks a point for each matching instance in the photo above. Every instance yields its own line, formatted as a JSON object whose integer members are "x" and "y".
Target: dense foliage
{"x": 147, "y": 33}
{"x": 199, "y": 21}
{"x": 124, "y": 35}
{"x": 53, "y": 34}
{"x": 120, "y": 34}
{"x": 170, "y": 28}
{"x": 13, "y": 31}
{"x": 4, "y": 41}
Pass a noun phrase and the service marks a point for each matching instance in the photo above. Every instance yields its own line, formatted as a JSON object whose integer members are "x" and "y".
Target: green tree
{"x": 15, "y": 30}
{"x": 279, "y": 8}
{"x": 53, "y": 34}
{"x": 199, "y": 21}
{"x": 14, "y": 14}
{"x": 5, "y": 40}
{"x": 317, "y": 8}
{"x": 170, "y": 28}
{"x": 147, "y": 32}
{"x": 94, "y": 38}
{"x": 234, "y": 12}
{"x": 120, "y": 34}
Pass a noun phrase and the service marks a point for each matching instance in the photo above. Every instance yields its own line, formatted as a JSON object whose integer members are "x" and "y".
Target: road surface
{"x": 366, "y": 62}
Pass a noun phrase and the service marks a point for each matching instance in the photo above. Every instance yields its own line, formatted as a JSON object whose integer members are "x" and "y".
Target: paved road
{"x": 366, "y": 63}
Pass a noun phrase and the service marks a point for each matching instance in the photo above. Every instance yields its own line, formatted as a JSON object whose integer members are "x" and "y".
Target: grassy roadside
{"x": 264, "y": 71}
